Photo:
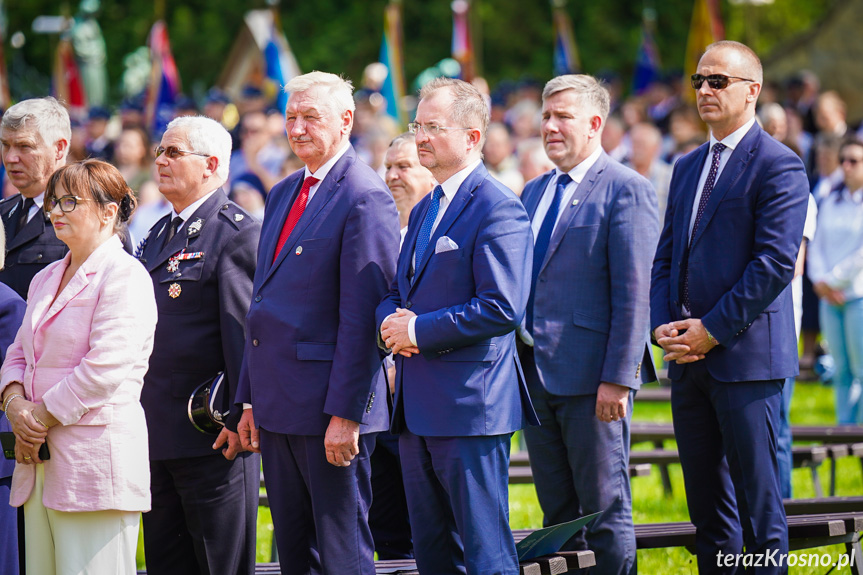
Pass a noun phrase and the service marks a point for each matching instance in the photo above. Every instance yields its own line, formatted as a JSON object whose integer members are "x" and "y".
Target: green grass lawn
{"x": 812, "y": 405}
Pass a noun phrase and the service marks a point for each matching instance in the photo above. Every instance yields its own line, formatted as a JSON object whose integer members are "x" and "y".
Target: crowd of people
{"x": 382, "y": 310}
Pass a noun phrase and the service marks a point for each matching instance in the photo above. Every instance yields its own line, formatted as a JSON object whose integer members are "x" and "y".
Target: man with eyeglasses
{"x": 721, "y": 308}
{"x": 35, "y": 136}
{"x": 201, "y": 258}
{"x": 314, "y": 393}
{"x": 450, "y": 317}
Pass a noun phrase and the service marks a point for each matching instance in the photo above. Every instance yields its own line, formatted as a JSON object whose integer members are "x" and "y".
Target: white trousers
{"x": 78, "y": 543}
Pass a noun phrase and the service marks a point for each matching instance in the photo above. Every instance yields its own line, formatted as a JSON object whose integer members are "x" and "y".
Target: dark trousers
{"x": 204, "y": 515}
{"x": 581, "y": 466}
{"x": 726, "y": 436}
{"x": 8, "y": 530}
{"x": 388, "y": 516}
{"x": 458, "y": 497}
{"x": 320, "y": 511}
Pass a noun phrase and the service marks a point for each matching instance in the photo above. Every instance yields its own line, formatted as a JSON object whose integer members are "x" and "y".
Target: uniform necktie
{"x": 702, "y": 203}
{"x": 543, "y": 239}
{"x": 13, "y": 226}
{"x": 426, "y": 229}
{"x": 172, "y": 230}
{"x": 294, "y": 215}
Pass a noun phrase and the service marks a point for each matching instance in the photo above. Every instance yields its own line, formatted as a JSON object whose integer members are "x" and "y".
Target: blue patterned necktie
{"x": 426, "y": 229}
{"x": 543, "y": 239}
{"x": 702, "y": 204}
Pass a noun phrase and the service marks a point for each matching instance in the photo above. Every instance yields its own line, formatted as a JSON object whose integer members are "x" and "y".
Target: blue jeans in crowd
{"x": 842, "y": 326}
{"x": 783, "y": 439}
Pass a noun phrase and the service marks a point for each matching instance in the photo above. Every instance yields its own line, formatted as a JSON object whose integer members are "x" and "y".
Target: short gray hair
{"x": 752, "y": 63}
{"x": 45, "y": 115}
{"x": 591, "y": 92}
{"x": 469, "y": 109}
{"x": 340, "y": 90}
{"x": 206, "y": 136}
{"x": 404, "y": 140}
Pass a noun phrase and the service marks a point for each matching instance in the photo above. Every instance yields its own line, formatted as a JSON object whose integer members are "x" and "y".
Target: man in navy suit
{"x": 201, "y": 258}
{"x": 312, "y": 372}
{"x": 721, "y": 308}
{"x": 460, "y": 292}
{"x": 587, "y": 339}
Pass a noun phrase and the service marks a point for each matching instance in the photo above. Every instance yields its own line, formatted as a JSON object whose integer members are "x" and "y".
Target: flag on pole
{"x": 164, "y": 86}
{"x": 706, "y": 28}
{"x": 281, "y": 65}
{"x": 462, "y": 43}
{"x": 392, "y": 56}
{"x": 68, "y": 86}
{"x": 566, "y": 59}
{"x": 647, "y": 63}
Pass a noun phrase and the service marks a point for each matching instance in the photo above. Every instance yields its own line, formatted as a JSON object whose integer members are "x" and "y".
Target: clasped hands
{"x": 394, "y": 333}
{"x": 30, "y": 434}
{"x": 684, "y": 341}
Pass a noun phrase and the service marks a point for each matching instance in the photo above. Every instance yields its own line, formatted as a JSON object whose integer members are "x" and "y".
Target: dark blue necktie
{"x": 543, "y": 239}
{"x": 426, "y": 229}
{"x": 702, "y": 203}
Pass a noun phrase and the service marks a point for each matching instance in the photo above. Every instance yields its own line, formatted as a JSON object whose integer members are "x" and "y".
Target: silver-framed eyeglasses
{"x": 67, "y": 203}
{"x": 173, "y": 152}
{"x": 430, "y": 129}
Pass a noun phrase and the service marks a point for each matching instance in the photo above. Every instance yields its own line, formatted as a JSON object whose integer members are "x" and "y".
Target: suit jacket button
{"x": 39, "y": 257}
{"x": 255, "y": 342}
{"x": 258, "y": 298}
{"x": 408, "y": 305}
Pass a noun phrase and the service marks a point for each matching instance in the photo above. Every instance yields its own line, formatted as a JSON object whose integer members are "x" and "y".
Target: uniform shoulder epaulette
{"x": 236, "y": 215}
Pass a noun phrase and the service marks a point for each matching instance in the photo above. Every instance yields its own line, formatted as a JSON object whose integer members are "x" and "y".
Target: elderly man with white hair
{"x": 201, "y": 258}
{"x": 312, "y": 372}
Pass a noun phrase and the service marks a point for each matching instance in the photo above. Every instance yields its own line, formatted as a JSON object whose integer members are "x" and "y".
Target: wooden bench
{"x": 804, "y": 532}
{"x": 823, "y": 505}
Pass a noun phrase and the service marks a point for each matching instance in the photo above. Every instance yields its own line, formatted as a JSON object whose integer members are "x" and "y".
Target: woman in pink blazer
{"x": 73, "y": 379}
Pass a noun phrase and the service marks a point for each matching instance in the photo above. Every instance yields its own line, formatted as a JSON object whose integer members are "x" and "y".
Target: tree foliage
{"x": 342, "y": 36}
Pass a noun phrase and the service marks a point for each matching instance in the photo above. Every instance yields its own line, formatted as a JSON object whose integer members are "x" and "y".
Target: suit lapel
{"x": 459, "y": 201}
{"x": 407, "y": 252}
{"x": 34, "y": 227}
{"x": 531, "y": 198}
{"x": 582, "y": 192}
{"x": 689, "y": 187}
{"x": 275, "y": 216}
{"x": 190, "y": 229}
{"x": 732, "y": 171}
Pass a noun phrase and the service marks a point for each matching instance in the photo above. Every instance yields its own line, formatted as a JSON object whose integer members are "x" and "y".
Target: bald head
{"x": 744, "y": 59}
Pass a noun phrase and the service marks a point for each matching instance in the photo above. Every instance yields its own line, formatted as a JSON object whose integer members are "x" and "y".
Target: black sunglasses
{"x": 715, "y": 81}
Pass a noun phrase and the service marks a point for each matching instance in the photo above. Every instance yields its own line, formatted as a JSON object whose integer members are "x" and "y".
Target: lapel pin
{"x": 238, "y": 217}
{"x": 195, "y": 226}
{"x": 299, "y": 250}
{"x": 175, "y": 290}
{"x": 575, "y": 202}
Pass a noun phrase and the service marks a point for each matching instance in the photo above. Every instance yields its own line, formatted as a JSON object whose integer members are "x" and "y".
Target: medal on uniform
{"x": 174, "y": 261}
{"x": 174, "y": 290}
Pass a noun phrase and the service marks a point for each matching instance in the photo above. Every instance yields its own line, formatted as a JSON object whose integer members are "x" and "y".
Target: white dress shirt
{"x": 836, "y": 251}
{"x": 577, "y": 174}
{"x": 731, "y": 142}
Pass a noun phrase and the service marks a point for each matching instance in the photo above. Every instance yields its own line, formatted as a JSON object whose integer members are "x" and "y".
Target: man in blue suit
{"x": 311, "y": 375}
{"x": 460, "y": 292}
{"x": 721, "y": 309}
{"x": 587, "y": 339}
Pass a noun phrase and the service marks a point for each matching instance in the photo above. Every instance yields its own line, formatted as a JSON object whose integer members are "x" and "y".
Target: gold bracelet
{"x": 9, "y": 400}
{"x": 39, "y": 421}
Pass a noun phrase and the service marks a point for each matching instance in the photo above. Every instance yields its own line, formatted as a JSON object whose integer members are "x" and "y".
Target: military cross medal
{"x": 174, "y": 290}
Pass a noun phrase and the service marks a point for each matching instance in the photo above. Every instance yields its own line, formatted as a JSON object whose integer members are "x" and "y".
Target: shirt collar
{"x": 454, "y": 182}
{"x": 732, "y": 140}
{"x": 325, "y": 169}
{"x": 191, "y": 208}
{"x": 577, "y": 173}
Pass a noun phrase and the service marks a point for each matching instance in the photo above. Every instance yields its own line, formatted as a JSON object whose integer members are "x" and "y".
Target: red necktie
{"x": 296, "y": 212}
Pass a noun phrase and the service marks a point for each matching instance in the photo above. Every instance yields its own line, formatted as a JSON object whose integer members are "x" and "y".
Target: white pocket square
{"x": 444, "y": 244}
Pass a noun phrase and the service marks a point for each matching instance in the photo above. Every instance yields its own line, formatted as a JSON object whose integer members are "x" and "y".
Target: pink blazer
{"x": 84, "y": 356}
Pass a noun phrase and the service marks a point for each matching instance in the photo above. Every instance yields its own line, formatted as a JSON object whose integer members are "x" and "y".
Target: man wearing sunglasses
{"x": 201, "y": 258}
{"x": 721, "y": 308}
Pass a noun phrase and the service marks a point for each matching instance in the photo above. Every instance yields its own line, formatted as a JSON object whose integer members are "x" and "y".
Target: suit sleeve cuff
{"x": 412, "y": 330}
